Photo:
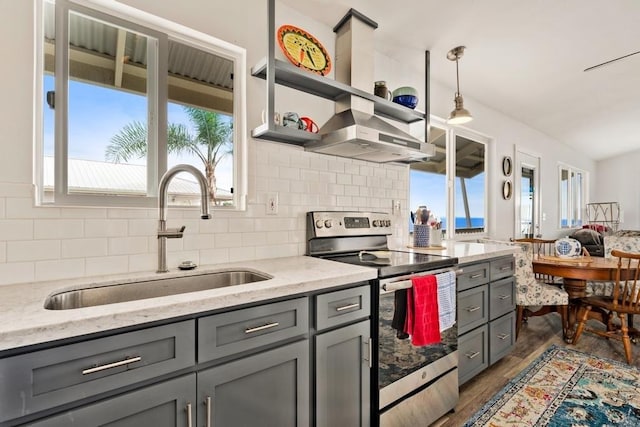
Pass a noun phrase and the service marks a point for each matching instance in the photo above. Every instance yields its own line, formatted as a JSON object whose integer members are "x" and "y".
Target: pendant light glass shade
{"x": 460, "y": 114}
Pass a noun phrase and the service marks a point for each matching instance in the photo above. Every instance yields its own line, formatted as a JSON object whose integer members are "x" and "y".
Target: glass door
{"x": 527, "y": 181}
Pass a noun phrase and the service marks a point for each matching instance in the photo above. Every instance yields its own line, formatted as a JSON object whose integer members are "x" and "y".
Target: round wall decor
{"x": 507, "y": 166}
{"x": 506, "y": 189}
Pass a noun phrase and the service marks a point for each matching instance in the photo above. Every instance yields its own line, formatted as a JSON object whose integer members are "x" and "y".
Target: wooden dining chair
{"x": 623, "y": 302}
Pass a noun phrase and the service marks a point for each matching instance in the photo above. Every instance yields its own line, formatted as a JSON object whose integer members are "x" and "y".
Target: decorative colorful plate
{"x": 303, "y": 50}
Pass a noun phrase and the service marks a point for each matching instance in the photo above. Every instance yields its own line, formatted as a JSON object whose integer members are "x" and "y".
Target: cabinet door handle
{"x": 111, "y": 365}
{"x": 189, "y": 423}
{"x": 504, "y": 296}
{"x": 369, "y": 344}
{"x": 503, "y": 336}
{"x": 472, "y": 355}
{"x": 207, "y": 402}
{"x": 261, "y": 328}
{"x": 472, "y": 309}
{"x": 475, "y": 276}
{"x": 347, "y": 307}
{"x": 506, "y": 267}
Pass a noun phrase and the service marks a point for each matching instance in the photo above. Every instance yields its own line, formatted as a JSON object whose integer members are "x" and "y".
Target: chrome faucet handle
{"x": 172, "y": 233}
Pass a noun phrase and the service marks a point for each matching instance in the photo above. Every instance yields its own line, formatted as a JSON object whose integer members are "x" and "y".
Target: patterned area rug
{"x": 565, "y": 387}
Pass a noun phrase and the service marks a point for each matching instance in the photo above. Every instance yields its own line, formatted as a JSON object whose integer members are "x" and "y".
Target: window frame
{"x": 159, "y": 31}
{"x": 572, "y": 204}
{"x": 450, "y": 178}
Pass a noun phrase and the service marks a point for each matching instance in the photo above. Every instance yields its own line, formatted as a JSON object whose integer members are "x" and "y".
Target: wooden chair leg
{"x": 564, "y": 319}
{"x": 519, "y": 313}
{"x": 626, "y": 341}
{"x": 582, "y": 315}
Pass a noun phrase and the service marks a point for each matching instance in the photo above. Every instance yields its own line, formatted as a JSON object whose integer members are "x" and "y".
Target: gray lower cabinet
{"x": 268, "y": 389}
{"x": 343, "y": 376}
{"x": 486, "y": 316}
{"x": 167, "y": 404}
{"x": 255, "y": 366}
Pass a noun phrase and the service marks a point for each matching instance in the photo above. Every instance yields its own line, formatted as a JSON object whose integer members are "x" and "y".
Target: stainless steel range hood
{"x": 354, "y": 131}
{"x": 363, "y": 136}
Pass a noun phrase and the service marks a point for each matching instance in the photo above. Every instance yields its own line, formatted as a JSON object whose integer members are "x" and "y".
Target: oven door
{"x": 403, "y": 367}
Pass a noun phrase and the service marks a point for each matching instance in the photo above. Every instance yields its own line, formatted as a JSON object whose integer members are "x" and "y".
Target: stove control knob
{"x": 327, "y": 223}
{"x": 387, "y": 223}
{"x": 319, "y": 223}
{"x": 377, "y": 223}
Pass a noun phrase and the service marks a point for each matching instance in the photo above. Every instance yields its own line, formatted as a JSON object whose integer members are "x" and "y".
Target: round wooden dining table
{"x": 575, "y": 273}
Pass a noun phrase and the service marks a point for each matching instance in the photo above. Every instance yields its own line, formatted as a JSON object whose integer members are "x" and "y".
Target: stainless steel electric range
{"x": 412, "y": 385}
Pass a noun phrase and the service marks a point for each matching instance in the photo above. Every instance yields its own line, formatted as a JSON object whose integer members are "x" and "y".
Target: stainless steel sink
{"x": 121, "y": 292}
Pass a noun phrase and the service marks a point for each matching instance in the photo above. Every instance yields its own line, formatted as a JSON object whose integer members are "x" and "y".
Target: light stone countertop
{"x": 24, "y": 321}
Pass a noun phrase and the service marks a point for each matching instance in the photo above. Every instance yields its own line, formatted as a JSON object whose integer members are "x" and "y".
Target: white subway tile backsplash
{"x": 24, "y": 208}
{"x": 242, "y": 254}
{"x": 104, "y": 265}
{"x": 128, "y": 245}
{"x": 3, "y": 252}
{"x": 2, "y": 208}
{"x": 344, "y": 179}
{"x": 83, "y": 213}
{"x": 143, "y": 262}
{"x": 16, "y": 229}
{"x": 60, "y": 269}
{"x": 228, "y": 240}
{"x": 143, "y": 227}
{"x": 258, "y": 238}
{"x": 8, "y": 189}
{"x": 132, "y": 213}
{"x": 291, "y": 174}
{"x": 214, "y": 256}
{"x": 106, "y": 227}
{"x": 33, "y": 250}
{"x": 17, "y": 272}
{"x": 78, "y": 248}
{"x": 58, "y": 228}
{"x": 198, "y": 241}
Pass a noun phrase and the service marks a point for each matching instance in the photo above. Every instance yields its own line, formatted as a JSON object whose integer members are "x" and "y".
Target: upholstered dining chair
{"x": 534, "y": 297}
{"x": 543, "y": 247}
{"x": 624, "y": 302}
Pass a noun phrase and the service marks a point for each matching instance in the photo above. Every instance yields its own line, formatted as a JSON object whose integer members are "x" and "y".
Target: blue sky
{"x": 96, "y": 114}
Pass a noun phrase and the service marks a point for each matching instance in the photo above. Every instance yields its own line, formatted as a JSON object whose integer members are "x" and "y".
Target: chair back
{"x": 545, "y": 247}
{"x": 626, "y": 290}
{"x": 524, "y": 263}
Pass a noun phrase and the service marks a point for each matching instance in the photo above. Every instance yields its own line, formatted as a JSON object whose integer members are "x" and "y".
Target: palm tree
{"x": 211, "y": 142}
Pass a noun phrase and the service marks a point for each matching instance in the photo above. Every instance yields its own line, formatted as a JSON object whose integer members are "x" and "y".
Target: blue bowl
{"x": 409, "y": 101}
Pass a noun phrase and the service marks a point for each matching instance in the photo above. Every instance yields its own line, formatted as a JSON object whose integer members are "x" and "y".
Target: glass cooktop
{"x": 391, "y": 263}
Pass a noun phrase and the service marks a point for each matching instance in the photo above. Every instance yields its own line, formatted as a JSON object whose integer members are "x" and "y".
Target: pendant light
{"x": 459, "y": 115}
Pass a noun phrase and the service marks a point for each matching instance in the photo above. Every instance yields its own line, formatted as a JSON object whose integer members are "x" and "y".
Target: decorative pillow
{"x": 587, "y": 237}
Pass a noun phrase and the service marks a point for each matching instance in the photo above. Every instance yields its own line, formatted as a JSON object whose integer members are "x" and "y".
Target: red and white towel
{"x": 423, "y": 320}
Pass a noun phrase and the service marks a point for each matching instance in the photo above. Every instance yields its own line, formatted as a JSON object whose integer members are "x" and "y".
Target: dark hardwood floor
{"x": 535, "y": 337}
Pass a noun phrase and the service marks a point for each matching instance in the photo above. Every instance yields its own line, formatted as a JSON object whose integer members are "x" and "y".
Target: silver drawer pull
{"x": 111, "y": 365}
{"x": 472, "y": 309}
{"x": 506, "y": 267}
{"x": 503, "y": 336}
{"x": 347, "y": 307}
{"x": 472, "y": 355}
{"x": 475, "y": 276}
{"x": 504, "y": 296}
{"x": 261, "y": 328}
{"x": 207, "y": 402}
{"x": 189, "y": 424}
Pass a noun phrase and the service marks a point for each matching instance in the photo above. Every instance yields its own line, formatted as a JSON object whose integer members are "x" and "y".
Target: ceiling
{"x": 523, "y": 58}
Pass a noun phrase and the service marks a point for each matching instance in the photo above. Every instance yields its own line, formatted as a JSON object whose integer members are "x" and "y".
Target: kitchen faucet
{"x": 176, "y": 233}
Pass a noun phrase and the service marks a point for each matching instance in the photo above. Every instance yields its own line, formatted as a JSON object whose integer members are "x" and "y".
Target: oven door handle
{"x": 405, "y": 282}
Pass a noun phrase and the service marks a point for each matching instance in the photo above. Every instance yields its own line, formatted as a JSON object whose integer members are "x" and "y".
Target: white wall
{"x": 618, "y": 179}
{"x": 42, "y": 243}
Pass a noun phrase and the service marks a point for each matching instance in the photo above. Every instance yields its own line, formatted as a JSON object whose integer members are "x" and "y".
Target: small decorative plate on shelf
{"x": 303, "y": 49}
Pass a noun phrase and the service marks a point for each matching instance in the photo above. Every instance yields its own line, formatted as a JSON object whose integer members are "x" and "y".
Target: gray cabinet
{"x": 486, "y": 317}
{"x": 252, "y": 366}
{"x": 167, "y": 404}
{"x": 268, "y": 389}
{"x": 343, "y": 358}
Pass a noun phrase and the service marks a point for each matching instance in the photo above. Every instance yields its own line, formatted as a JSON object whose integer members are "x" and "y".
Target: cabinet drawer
{"x": 224, "y": 334}
{"x": 48, "y": 378}
{"x": 473, "y": 308}
{"x": 474, "y": 355}
{"x": 502, "y": 297}
{"x": 502, "y": 267}
{"x": 502, "y": 337}
{"x": 473, "y": 275}
{"x": 340, "y": 307}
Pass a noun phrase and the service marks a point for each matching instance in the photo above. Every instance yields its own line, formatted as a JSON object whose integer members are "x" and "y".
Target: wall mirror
{"x": 507, "y": 166}
{"x": 507, "y": 189}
